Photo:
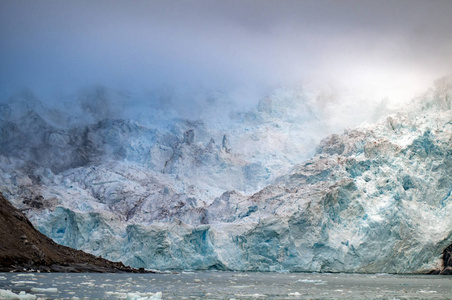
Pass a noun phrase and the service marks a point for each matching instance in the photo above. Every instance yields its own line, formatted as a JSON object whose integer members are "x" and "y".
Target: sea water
{"x": 224, "y": 285}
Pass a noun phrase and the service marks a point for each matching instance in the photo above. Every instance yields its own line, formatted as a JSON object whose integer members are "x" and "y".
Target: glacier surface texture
{"x": 261, "y": 193}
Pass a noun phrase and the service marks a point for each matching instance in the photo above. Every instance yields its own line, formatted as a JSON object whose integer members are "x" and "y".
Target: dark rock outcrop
{"x": 23, "y": 248}
{"x": 447, "y": 261}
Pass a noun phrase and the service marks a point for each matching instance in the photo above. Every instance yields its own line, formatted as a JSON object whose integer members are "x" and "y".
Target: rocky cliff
{"x": 23, "y": 248}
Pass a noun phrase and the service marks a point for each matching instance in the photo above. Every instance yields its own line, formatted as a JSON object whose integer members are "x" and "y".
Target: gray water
{"x": 229, "y": 285}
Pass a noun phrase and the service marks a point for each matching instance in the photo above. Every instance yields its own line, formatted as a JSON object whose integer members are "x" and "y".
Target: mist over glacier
{"x": 386, "y": 49}
{"x": 254, "y": 136}
{"x": 255, "y": 197}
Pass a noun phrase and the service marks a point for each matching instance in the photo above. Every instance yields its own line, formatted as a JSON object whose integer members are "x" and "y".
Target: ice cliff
{"x": 255, "y": 195}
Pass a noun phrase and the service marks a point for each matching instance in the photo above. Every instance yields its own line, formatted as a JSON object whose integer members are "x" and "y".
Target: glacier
{"x": 262, "y": 193}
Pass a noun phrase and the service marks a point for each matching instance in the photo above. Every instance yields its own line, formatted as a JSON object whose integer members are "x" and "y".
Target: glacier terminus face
{"x": 262, "y": 193}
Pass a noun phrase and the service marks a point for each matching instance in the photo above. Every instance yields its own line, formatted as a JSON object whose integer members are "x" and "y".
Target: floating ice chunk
{"x": 8, "y": 294}
{"x": 312, "y": 281}
{"x": 117, "y": 294}
{"x": 2, "y": 278}
{"x": 23, "y": 282}
{"x": 44, "y": 290}
{"x": 295, "y": 294}
{"x": 144, "y": 296}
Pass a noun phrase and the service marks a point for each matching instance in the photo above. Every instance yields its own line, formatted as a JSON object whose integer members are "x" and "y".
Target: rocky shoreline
{"x": 24, "y": 249}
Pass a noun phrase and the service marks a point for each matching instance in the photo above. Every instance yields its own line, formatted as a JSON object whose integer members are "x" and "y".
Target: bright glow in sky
{"x": 392, "y": 49}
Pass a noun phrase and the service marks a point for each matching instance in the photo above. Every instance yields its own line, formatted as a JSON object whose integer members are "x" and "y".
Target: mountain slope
{"x": 24, "y": 248}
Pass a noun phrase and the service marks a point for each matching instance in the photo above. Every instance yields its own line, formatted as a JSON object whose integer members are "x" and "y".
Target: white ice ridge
{"x": 372, "y": 199}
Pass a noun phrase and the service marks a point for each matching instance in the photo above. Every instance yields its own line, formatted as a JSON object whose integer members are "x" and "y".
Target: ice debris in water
{"x": 8, "y": 294}
{"x": 23, "y": 282}
{"x": 144, "y": 296}
{"x": 312, "y": 281}
{"x": 136, "y": 295}
{"x": 44, "y": 290}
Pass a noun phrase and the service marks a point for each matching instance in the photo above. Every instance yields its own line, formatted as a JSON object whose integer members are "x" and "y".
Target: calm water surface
{"x": 228, "y": 285}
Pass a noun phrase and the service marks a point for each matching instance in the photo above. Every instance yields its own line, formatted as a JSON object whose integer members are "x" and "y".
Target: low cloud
{"x": 383, "y": 49}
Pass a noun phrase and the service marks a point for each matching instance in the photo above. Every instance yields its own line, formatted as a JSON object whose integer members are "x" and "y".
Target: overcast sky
{"x": 396, "y": 47}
